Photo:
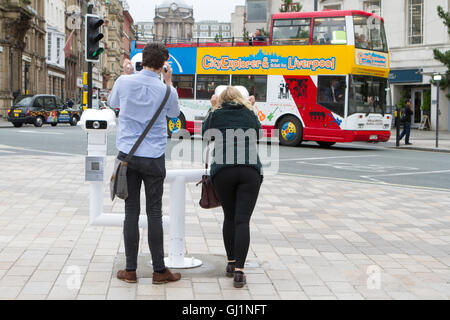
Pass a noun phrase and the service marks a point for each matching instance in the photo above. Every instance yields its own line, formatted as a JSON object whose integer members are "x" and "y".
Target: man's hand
{"x": 167, "y": 75}
{"x": 127, "y": 67}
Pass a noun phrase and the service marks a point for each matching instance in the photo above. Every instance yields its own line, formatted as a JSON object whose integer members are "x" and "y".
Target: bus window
{"x": 369, "y": 34}
{"x": 291, "y": 31}
{"x": 331, "y": 93}
{"x": 184, "y": 85}
{"x": 329, "y": 31}
{"x": 256, "y": 85}
{"x": 206, "y": 85}
{"x": 367, "y": 94}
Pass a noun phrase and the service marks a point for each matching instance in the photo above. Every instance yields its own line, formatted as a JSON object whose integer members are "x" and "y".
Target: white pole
{"x": 177, "y": 219}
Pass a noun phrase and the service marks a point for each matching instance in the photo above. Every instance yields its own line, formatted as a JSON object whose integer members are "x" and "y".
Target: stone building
{"x": 113, "y": 43}
{"x": 55, "y": 41}
{"x": 22, "y": 50}
{"x": 174, "y": 21}
{"x": 209, "y": 31}
{"x": 74, "y": 55}
{"x": 144, "y": 30}
{"x": 128, "y": 32}
{"x": 237, "y": 22}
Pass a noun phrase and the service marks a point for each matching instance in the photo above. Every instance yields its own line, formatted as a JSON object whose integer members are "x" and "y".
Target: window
{"x": 256, "y": 85}
{"x": 256, "y": 11}
{"x": 184, "y": 85}
{"x": 206, "y": 84}
{"x": 367, "y": 94}
{"x": 195, "y": 34}
{"x": 204, "y": 27}
{"x": 214, "y": 34}
{"x": 215, "y": 27}
{"x": 415, "y": 21}
{"x": 204, "y": 34}
{"x": 332, "y": 7}
{"x": 58, "y": 48}
{"x": 225, "y": 27}
{"x": 226, "y": 34}
{"x": 195, "y": 26}
{"x": 373, "y": 6}
{"x": 331, "y": 93}
{"x": 291, "y": 32}
{"x": 49, "y": 103}
{"x": 329, "y": 31}
{"x": 369, "y": 34}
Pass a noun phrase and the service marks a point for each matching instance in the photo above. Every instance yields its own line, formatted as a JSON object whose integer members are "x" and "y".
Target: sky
{"x": 144, "y": 10}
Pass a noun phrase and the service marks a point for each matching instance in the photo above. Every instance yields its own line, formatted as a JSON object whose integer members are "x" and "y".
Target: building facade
{"x": 238, "y": 22}
{"x": 114, "y": 52}
{"x": 54, "y": 48}
{"x": 209, "y": 31}
{"x": 22, "y": 50}
{"x": 74, "y": 51}
{"x": 173, "y": 21}
{"x": 144, "y": 30}
{"x": 128, "y": 33}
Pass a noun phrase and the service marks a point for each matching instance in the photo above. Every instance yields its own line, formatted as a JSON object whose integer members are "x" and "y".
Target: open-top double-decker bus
{"x": 321, "y": 76}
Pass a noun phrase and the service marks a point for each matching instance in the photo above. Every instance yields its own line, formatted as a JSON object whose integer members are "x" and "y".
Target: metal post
{"x": 397, "y": 125}
{"x": 316, "y": 5}
{"x": 89, "y": 65}
{"x": 437, "y": 115}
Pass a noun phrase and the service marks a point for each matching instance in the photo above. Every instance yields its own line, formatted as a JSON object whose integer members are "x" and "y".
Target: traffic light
{"x": 93, "y": 37}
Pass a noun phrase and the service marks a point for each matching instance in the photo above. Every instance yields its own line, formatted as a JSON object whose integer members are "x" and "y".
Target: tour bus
{"x": 321, "y": 76}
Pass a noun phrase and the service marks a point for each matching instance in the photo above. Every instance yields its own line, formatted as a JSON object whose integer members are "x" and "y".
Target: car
{"x": 104, "y": 105}
{"x": 40, "y": 109}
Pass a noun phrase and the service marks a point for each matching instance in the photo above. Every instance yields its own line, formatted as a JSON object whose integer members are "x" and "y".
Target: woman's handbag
{"x": 118, "y": 185}
{"x": 209, "y": 199}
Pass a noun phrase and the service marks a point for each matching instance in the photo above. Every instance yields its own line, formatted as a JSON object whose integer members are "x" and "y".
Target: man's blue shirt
{"x": 139, "y": 96}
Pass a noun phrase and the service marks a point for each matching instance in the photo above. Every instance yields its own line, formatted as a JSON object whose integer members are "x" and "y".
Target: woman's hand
{"x": 127, "y": 67}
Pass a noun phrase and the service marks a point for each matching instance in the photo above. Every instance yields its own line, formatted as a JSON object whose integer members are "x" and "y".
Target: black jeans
{"x": 152, "y": 172}
{"x": 237, "y": 188}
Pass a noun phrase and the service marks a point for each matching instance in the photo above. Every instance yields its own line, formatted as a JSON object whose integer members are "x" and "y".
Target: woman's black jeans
{"x": 152, "y": 172}
{"x": 237, "y": 188}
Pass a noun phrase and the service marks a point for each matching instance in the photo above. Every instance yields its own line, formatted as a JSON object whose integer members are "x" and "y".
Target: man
{"x": 258, "y": 36}
{"x": 139, "y": 96}
{"x": 334, "y": 93}
{"x": 406, "y": 118}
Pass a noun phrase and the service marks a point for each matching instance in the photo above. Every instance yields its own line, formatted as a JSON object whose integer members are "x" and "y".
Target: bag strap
{"x": 149, "y": 126}
{"x": 207, "y": 146}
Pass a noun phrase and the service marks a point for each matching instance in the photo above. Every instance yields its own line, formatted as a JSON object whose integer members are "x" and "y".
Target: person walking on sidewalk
{"x": 139, "y": 96}
{"x": 406, "y": 118}
{"x": 235, "y": 172}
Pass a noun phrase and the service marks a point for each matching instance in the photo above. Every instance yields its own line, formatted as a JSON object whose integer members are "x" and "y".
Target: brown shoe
{"x": 161, "y": 278}
{"x": 129, "y": 277}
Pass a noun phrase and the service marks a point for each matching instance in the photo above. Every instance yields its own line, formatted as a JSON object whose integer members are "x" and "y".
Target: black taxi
{"x": 41, "y": 109}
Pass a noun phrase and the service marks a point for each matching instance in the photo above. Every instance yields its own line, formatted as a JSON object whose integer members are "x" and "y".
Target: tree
{"x": 444, "y": 57}
{"x": 289, "y": 6}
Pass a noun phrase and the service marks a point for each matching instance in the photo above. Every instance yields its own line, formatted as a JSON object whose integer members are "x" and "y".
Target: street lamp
{"x": 437, "y": 78}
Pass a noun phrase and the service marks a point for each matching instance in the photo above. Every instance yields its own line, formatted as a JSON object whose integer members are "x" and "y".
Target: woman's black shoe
{"x": 239, "y": 279}
{"x": 230, "y": 269}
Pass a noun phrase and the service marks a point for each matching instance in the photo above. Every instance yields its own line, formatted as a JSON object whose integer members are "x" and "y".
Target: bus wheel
{"x": 291, "y": 131}
{"x": 175, "y": 125}
{"x": 325, "y": 144}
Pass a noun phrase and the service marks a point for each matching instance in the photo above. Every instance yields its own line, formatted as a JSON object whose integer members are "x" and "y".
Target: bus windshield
{"x": 291, "y": 31}
{"x": 369, "y": 33}
{"x": 367, "y": 94}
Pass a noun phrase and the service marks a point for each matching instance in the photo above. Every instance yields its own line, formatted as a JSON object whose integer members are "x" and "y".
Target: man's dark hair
{"x": 154, "y": 55}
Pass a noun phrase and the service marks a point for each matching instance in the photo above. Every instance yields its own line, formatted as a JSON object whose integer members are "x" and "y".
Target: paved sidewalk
{"x": 4, "y": 123}
{"x": 311, "y": 239}
{"x": 424, "y": 140}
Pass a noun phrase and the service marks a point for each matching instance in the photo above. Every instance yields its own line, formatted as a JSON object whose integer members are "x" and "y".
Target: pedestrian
{"x": 406, "y": 119}
{"x": 139, "y": 96}
{"x": 235, "y": 172}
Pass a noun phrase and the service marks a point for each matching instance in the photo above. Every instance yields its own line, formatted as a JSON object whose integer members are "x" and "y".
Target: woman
{"x": 235, "y": 172}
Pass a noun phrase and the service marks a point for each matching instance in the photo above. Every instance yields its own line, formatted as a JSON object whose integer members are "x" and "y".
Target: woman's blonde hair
{"x": 231, "y": 94}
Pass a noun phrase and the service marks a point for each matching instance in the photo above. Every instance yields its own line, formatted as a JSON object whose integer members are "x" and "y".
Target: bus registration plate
{"x": 373, "y": 137}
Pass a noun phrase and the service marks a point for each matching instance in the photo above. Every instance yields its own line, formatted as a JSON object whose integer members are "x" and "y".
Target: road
{"x": 357, "y": 161}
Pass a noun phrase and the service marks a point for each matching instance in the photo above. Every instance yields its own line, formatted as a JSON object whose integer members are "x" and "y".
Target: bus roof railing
{"x": 204, "y": 42}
